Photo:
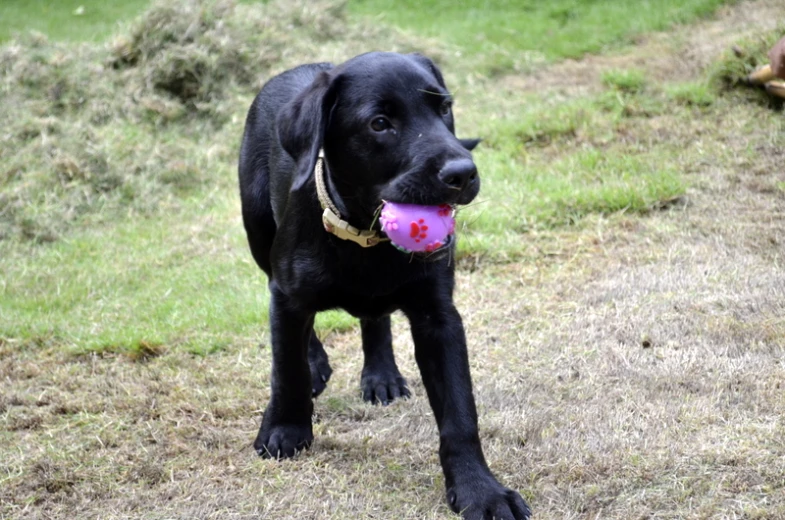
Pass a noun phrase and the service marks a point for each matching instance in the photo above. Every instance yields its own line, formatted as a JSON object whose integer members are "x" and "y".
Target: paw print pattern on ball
{"x": 389, "y": 220}
{"x": 433, "y": 246}
{"x": 415, "y": 228}
{"x": 419, "y": 230}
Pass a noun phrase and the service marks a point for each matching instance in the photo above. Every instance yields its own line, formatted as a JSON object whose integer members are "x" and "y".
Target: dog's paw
{"x": 383, "y": 384}
{"x": 320, "y": 368}
{"x": 320, "y": 374}
{"x": 283, "y": 440}
{"x": 487, "y": 500}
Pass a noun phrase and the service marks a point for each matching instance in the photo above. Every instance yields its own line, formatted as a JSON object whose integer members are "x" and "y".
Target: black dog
{"x": 385, "y": 125}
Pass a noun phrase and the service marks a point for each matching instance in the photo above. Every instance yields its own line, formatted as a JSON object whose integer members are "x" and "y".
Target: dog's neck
{"x": 334, "y": 208}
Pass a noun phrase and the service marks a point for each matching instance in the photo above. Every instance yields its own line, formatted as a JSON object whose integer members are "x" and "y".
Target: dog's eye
{"x": 445, "y": 108}
{"x": 380, "y": 124}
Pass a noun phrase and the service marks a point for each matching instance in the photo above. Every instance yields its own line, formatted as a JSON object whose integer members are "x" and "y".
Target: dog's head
{"x": 386, "y": 124}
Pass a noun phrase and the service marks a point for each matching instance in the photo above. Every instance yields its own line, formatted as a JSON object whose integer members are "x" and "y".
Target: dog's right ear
{"x": 470, "y": 144}
{"x": 301, "y": 124}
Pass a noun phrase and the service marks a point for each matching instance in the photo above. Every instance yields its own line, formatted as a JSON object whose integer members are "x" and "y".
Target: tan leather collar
{"x": 331, "y": 218}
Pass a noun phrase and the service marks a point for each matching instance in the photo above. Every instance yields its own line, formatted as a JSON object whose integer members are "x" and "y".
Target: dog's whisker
{"x": 471, "y": 205}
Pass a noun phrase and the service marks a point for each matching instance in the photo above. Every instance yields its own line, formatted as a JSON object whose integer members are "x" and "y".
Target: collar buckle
{"x": 345, "y": 231}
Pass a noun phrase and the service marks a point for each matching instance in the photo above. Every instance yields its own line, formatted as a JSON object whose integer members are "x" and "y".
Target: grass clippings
{"x": 94, "y": 130}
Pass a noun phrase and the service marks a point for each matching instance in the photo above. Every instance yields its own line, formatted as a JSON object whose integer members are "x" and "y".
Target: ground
{"x": 630, "y": 366}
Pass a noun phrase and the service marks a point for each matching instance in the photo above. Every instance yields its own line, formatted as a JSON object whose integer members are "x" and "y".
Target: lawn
{"x": 71, "y": 20}
{"x": 619, "y": 275}
{"x": 519, "y": 32}
{"x": 114, "y": 151}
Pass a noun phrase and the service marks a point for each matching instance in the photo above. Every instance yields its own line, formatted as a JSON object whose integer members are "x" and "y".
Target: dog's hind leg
{"x": 320, "y": 367}
{"x": 381, "y": 381}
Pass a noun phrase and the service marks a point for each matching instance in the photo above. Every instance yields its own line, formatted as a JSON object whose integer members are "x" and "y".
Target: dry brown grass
{"x": 629, "y": 368}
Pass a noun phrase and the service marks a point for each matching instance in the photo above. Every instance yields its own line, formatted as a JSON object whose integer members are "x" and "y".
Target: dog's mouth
{"x": 424, "y": 188}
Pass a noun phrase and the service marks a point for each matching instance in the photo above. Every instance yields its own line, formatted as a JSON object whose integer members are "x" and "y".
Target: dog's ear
{"x": 470, "y": 144}
{"x": 431, "y": 66}
{"x": 301, "y": 124}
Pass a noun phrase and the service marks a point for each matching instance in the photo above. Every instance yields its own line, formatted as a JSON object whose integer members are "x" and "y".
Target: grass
{"x": 594, "y": 181}
{"x": 598, "y": 169}
{"x": 630, "y": 81}
{"x": 522, "y": 33}
{"x": 697, "y": 93}
{"x": 618, "y": 277}
{"x": 136, "y": 283}
{"x": 71, "y": 20}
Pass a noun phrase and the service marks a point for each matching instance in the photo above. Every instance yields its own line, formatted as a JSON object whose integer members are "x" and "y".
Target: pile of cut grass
{"x": 135, "y": 126}
{"x": 94, "y": 131}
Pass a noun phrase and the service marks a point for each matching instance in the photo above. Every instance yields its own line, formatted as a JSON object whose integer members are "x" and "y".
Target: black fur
{"x": 386, "y": 126}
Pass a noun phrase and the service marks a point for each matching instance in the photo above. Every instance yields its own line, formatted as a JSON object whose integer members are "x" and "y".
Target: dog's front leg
{"x": 440, "y": 350}
{"x": 286, "y": 427}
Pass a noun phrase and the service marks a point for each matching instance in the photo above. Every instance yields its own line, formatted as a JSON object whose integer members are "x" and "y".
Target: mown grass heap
{"x": 95, "y": 129}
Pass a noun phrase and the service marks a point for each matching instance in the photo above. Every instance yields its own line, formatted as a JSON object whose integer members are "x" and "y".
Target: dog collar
{"x": 331, "y": 218}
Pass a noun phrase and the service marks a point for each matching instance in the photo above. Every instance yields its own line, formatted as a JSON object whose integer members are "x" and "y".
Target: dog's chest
{"x": 371, "y": 290}
{"x": 365, "y": 283}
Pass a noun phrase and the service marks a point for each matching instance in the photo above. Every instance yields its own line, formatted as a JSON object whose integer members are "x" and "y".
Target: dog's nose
{"x": 459, "y": 173}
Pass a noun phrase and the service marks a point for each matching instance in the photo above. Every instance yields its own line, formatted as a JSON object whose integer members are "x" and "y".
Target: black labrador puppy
{"x": 376, "y": 128}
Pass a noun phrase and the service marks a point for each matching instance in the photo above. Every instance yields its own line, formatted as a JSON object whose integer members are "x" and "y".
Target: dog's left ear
{"x": 470, "y": 144}
{"x": 301, "y": 124}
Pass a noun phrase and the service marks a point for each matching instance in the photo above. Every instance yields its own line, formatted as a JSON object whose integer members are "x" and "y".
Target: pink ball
{"x": 414, "y": 228}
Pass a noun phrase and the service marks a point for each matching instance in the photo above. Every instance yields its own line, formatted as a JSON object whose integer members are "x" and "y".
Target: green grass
{"x": 697, "y": 93}
{"x": 185, "y": 283}
{"x": 517, "y": 32}
{"x": 71, "y": 20}
{"x": 521, "y": 198}
{"x": 630, "y": 81}
{"x": 547, "y": 162}
{"x": 137, "y": 281}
